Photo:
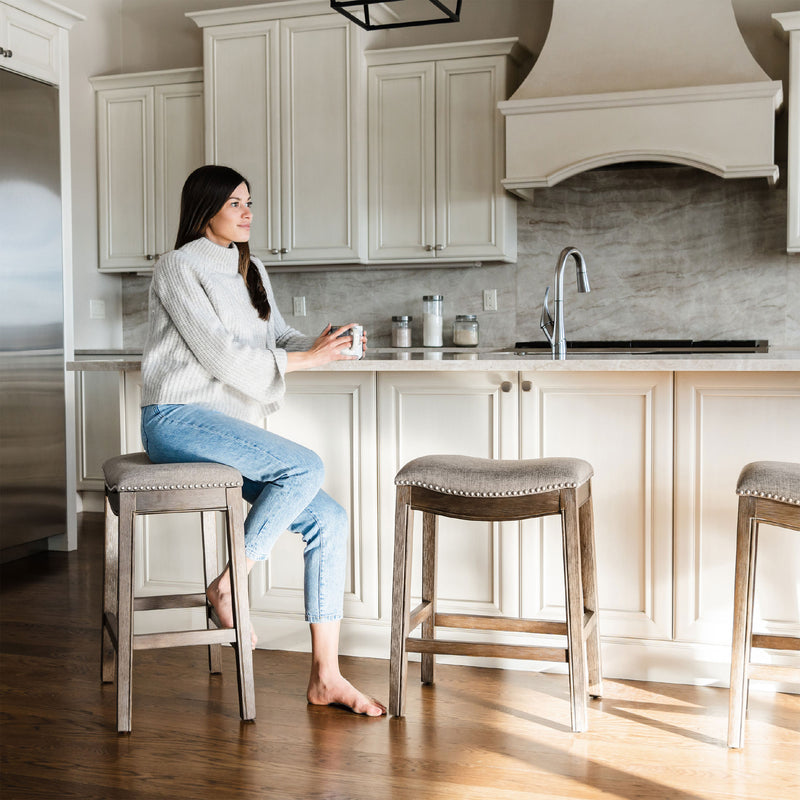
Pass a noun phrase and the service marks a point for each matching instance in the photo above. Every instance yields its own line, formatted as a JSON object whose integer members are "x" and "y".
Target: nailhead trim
{"x": 442, "y": 490}
{"x": 172, "y": 487}
{"x": 769, "y": 496}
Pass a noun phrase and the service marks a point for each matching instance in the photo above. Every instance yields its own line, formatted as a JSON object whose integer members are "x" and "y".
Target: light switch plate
{"x": 299, "y": 306}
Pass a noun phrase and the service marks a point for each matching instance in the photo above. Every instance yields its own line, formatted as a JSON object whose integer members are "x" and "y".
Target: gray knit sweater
{"x": 206, "y": 343}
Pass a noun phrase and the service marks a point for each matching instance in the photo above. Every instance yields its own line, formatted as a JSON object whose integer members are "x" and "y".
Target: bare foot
{"x": 219, "y": 595}
{"x": 337, "y": 691}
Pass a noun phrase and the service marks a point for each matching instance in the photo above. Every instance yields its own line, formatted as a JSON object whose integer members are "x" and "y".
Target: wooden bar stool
{"x": 769, "y": 491}
{"x": 134, "y": 486}
{"x": 491, "y": 490}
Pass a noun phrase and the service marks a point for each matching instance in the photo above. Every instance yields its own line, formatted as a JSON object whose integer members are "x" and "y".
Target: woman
{"x": 215, "y": 362}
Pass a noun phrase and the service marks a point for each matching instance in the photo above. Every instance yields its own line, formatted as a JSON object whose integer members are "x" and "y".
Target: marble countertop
{"x": 484, "y": 359}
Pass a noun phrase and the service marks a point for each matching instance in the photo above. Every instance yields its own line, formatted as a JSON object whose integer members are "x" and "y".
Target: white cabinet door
{"x": 436, "y": 155}
{"x": 178, "y": 118}
{"x": 283, "y": 104}
{"x": 621, "y": 423}
{"x": 402, "y": 185}
{"x": 321, "y": 93}
{"x": 461, "y": 414}
{"x": 98, "y": 425}
{"x": 475, "y": 217}
{"x": 149, "y": 138}
{"x": 724, "y": 421}
{"x": 30, "y": 45}
{"x": 242, "y": 114}
{"x": 125, "y": 173}
{"x": 332, "y": 414}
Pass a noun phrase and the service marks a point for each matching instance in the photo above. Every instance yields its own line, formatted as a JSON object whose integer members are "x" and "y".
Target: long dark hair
{"x": 204, "y": 193}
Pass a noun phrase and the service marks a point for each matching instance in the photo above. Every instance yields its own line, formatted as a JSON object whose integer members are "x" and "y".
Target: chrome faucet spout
{"x": 554, "y": 330}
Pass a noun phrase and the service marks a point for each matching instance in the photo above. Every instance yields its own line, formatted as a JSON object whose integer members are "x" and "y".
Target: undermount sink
{"x": 641, "y": 346}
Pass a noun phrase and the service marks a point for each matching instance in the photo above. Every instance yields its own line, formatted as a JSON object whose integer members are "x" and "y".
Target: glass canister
{"x": 401, "y": 331}
{"x": 432, "y": 310}
{"x": 466, "y": 330}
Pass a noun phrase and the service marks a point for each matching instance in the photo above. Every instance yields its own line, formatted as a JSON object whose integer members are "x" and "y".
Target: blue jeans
{"x": 282, "y": 482}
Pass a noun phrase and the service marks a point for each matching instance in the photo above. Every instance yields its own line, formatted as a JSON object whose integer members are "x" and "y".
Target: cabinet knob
{"x": 429, "y": 247}
{"x": 149, "y": 257}
{"x": 5, "y": 53}
{"x": 274, "y": 251}
{"x": 506, "y": 386}
{"x": 439, "y": 247}
{"x": 526, "y": 386}
{"x": 284, "y": 250}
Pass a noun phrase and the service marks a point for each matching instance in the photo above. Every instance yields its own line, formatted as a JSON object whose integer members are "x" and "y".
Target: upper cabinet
{"x": 28, "y": 44}
{"x": 436, "y": 153}
{"x": 285, "y": 104}
{"x": 790, "y": 22}
{"x": 149, "y": 138}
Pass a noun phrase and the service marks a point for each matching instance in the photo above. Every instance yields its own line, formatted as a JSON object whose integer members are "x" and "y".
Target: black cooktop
{"x": 657, "y": 346}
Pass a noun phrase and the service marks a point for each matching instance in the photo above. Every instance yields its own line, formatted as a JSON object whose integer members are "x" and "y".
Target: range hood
{"x": 641, "y": 80}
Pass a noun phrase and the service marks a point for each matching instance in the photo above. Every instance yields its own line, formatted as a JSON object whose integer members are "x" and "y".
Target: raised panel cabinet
{"x": 284, "y": 101}
{"x": 436, "y": 153}
{"x": 149, "y": 138}
{"x": 621, "y": 423}
{"x": 29, "y": 45}
{"x": 332, "y": 414}
{"x": 725, "y": 420}
{"x": 472, "y": 414}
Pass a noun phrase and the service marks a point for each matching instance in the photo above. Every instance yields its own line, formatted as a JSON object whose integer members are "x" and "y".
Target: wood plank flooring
{"x": 476, "y": 734}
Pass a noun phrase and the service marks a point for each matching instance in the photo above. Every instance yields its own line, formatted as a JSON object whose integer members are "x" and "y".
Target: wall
{"x": 672, "y": 252}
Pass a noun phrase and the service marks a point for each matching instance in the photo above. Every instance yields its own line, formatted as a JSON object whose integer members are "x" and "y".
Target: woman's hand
{"x": 327, "y": 347}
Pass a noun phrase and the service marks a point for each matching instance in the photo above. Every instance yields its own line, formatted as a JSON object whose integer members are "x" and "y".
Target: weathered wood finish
{"x": 119, "y": 604}
{"x": 583, "y": 644}
{"x": 752, "y": 511}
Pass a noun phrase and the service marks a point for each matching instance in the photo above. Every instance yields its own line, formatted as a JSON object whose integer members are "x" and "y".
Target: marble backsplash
{"x": 672, "y": 253}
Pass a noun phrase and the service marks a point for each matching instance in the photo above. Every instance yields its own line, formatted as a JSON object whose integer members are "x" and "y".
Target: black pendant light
{"x": 358, "y": 11}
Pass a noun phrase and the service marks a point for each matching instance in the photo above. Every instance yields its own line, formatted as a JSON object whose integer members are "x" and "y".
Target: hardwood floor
{"x": 478, "y": 733}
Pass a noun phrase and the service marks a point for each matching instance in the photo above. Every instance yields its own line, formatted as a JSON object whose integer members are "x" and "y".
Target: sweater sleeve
{"x": 256, "y": 372}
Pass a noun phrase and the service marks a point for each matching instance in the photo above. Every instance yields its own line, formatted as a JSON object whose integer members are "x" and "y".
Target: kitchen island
{"x": 666, "y": 434}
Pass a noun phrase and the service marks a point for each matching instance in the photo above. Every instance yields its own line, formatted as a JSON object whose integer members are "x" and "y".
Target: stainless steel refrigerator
{"x": 33, "y": 504}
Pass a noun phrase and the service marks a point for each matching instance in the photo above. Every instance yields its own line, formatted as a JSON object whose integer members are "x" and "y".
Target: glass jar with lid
{"x": 401, "y": 331}
{"x": 432, "y": 320}
{"x": 466, "y": 330}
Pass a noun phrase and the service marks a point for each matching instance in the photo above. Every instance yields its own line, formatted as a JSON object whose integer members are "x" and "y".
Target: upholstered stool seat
{"x": 769, "y": 492}
{"x": 134, "y": 485}
{"x": 469, "y": 488}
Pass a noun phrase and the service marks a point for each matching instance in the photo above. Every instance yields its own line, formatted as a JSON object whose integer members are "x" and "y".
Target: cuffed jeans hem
{"x": 323, "y": 618}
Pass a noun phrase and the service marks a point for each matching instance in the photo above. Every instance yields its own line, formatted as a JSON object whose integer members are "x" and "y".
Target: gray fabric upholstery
{"x": 487, "y": 477}
{"x": 136, "y": 473}
{"x": 776, "y": 480}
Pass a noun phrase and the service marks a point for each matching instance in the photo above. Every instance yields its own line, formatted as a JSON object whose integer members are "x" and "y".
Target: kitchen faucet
{"x": 554, "y": 328}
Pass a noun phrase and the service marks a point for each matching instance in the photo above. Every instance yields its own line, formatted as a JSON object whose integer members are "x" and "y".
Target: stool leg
{"x": 744, "y": 585}
{"x": 401, "y": 600}
{"x": 127, "y": 507}
{"x": 576, "y": 655}
{"x": 589, "y": 578}
{"x": 108, "y": 646}
{"x": 430, "y": 526}
{"x": 241, "y": 605}
{"x": 210, "y": 571}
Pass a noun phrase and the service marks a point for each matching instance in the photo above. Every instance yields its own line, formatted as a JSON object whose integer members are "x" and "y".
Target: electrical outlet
{"x": 299, "y": 306}
{"x": 490, "y": 299}
{"x": 97, "y": 309}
